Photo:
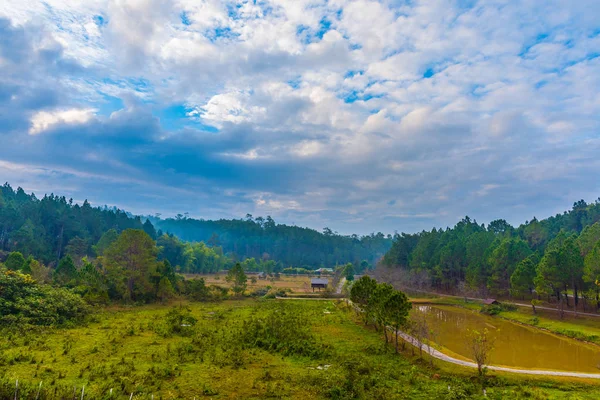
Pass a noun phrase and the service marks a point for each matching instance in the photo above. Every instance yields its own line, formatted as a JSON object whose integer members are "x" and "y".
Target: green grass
{"x": 134, "y": 350}
{"x": 580, "y": 327}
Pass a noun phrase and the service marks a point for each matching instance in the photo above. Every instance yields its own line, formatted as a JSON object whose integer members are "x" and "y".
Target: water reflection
{"x": 515, "y": 345}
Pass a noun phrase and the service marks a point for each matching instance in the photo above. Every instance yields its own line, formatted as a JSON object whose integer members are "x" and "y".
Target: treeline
{"x": 50, "y": 227}
{"x": 54, "y": 226}
{"x": 552, "y": 257}
{"x": 262, "y": 238}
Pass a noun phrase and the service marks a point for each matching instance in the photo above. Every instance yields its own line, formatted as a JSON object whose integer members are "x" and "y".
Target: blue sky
{"x": 357, "y": 115}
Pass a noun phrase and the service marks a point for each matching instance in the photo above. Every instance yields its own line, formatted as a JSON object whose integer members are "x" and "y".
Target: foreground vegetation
{"x": 237, "y": 349}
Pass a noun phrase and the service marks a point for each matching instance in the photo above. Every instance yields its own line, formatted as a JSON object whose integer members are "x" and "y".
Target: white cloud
{"x": 403, "y": 97}
{"x": 45, "y": 120}
{"x": 229, "y": 107}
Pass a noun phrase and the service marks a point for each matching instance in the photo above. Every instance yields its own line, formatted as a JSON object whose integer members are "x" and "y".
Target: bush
{"x": 283, "y": 330}
{"x": 495, "y": 309}
{"x": 180, "y": 321}
{"x": 23, "y": 301}
{"x": 259, "y": 292}
{"x": 274, "y": 292}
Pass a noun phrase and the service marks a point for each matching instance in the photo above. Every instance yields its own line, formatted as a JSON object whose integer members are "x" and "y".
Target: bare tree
{"x": 481, "y": 345}
{"x": 419, "y": 329}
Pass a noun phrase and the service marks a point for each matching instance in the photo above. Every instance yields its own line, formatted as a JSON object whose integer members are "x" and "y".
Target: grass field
{"x": 243, "y": 349}
{"x": 295, "y": 284}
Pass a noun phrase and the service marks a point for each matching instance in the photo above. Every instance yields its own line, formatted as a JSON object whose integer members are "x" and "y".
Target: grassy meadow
{"x": 294, "y": 284}
{"x": 246, "y": 349}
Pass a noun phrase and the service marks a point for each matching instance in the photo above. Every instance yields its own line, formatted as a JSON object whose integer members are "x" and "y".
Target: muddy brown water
{"x": 515, "y": 345}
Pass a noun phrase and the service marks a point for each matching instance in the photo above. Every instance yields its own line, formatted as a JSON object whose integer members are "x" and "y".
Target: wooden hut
{"x": 318, "y": 283}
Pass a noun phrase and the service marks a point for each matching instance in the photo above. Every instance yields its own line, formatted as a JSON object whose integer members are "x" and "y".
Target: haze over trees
{"x": 557, "y": 257}
{"x": 291, "y": 245}
{"x": 52, "y": 227}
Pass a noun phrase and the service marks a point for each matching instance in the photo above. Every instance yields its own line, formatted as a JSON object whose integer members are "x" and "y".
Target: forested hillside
{"x": 262, "y": 238}
{"x": 557, "y": 255}
{"x": 52, "y": 227}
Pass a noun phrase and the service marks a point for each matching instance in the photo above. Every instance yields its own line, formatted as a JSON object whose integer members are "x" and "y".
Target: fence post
{"x": 39, "y": 390}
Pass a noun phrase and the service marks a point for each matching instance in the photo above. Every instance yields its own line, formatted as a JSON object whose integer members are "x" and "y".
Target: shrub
{"x": 283, "y": 330}
{"x": 259, "y": 292}
{"x": 23, "y": 301}
{"x": 180, "y": 321}
{"x": 495, "y": 309}
{"x": 274, "y": 292}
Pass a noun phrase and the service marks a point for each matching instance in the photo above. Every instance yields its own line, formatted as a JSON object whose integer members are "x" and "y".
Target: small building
{"x": 489, "y": 302}
{"x": 324, "y": 271}
{"x": 318, "y": 283}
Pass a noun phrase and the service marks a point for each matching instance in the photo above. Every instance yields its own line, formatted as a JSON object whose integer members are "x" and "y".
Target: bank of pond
{"x": 515, "y": 345}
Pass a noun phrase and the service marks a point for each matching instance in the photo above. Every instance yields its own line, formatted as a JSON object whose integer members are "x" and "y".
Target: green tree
{"x": 364, "y": 265}
{"x": 92, "y": 284}
{"x": 131, "y": 262}
{"x": 165, "y": 289}
{"x": 26, "y": 269}
{"x": 238, "y": 279}
{"x": 360, "y": 294}
{"x": 196, "y": 289}
{"x": 65, "y": 272}
{"x": 591, "y": 270}
{"x": 396, "y": 308}
{"x": 522, "y": 279}
{"x": 77, "y": 249}
{"x": 588, "y": 238}
{"x": 172, "y": 249}
{"x": 349, "y": 272}
{"x": 479, "y": 246}
{"x": 15, "y": 261}
{"x": 149, "y": 229}
{"x": 105, "y": 241}
{"x": 550, "y": 277}
{"x": 504, "y": 260}
{"x": 166, "y": 270}
{"x": 39, "y": 272}
{"x": 536, "y": 234}
{"x": 377, "y": 302}
{"x": 572, "y": 265}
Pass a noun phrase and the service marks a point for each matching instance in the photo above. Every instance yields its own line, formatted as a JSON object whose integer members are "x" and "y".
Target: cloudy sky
{"x": 356, "y": 115}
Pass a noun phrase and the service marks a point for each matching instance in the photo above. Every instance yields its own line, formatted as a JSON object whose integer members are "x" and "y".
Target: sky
{"x": 355, "y": 115}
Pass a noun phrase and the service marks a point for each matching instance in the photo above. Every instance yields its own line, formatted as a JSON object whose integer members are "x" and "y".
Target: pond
{"x": 515, "y": 345}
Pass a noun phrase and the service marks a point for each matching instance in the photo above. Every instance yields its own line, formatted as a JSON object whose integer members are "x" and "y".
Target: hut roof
{"x": 490, "y": 301}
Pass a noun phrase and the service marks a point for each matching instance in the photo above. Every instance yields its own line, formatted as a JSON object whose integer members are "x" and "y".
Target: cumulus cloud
{"x": 43, "y": 120}
{"x": 360, "y": 115}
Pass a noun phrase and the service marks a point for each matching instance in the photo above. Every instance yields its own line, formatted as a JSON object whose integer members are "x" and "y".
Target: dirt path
{"x": 340, "y": 285}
